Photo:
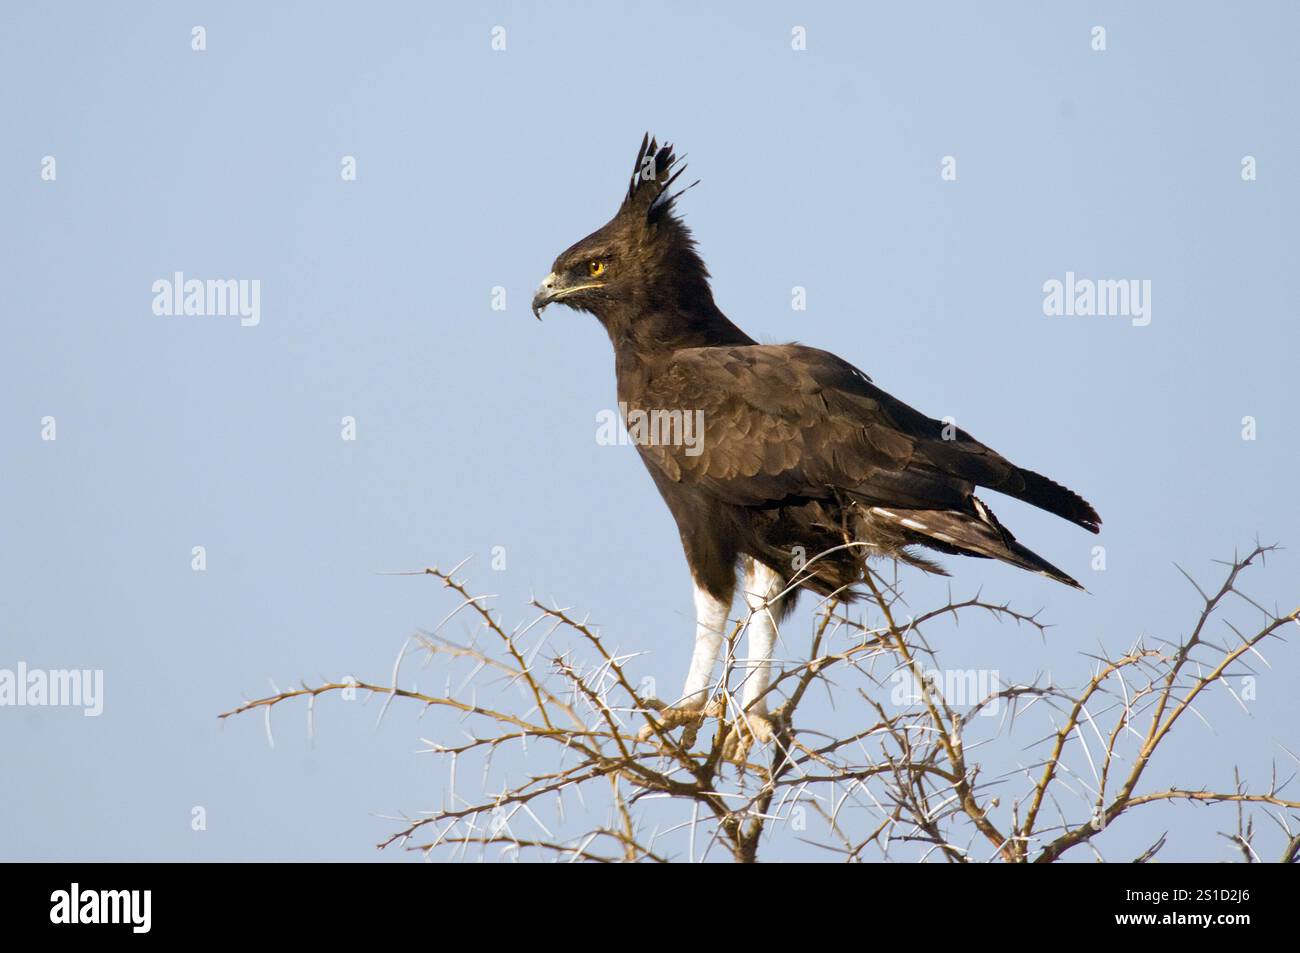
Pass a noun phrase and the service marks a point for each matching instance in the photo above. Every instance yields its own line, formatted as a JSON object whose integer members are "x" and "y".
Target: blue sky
{"x": 475, "y": 428}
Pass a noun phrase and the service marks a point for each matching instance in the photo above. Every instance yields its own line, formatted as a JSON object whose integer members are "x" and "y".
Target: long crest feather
{"x": 655, "y": 171}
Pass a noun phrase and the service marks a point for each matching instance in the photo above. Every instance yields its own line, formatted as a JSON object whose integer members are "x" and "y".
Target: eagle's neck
{"x": 644, "y": 344}
{"x": 647, "y": 331}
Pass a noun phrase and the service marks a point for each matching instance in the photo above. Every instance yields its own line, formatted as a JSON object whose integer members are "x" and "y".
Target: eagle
{"x": 799, "y": 467}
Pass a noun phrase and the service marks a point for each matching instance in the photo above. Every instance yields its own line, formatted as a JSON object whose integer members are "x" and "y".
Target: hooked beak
{"x": 545, "y": 294}
{"x": 553, "y": 289}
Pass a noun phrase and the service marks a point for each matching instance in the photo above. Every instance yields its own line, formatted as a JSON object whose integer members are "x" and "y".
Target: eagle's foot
{"x": 751, "y": 726}
{"x": 687, "y": 716}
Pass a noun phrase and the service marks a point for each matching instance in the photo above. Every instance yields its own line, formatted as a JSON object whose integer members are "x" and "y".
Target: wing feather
{"x": 788, "y": 421}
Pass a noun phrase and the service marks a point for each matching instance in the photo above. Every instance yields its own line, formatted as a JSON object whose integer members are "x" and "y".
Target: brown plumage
{"x": 800, "y": 450}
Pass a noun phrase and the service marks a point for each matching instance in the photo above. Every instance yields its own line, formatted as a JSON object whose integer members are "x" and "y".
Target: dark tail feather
{"x": 1051, "y": 496}
{"x": 970, "y": 534}
{"x": 1026, "y": 558}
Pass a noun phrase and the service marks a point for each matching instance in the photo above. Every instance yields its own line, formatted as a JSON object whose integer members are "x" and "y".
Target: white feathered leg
{"x": 710, "y": 626}
{"x": 761, "y": 587}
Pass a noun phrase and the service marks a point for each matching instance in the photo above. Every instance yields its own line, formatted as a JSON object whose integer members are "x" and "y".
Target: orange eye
{"x": 595, "y": 268}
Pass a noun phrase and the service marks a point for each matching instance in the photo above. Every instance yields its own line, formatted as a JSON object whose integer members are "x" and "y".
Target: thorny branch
{"x": 903, "y": 779}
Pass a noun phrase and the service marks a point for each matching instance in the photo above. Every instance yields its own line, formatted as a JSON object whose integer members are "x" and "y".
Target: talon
{"x": 750, "y": 727}
{"x": 668, "y": 717}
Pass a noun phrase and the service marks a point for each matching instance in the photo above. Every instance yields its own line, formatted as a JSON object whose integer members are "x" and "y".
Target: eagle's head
{"x": 643, "y": 259}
